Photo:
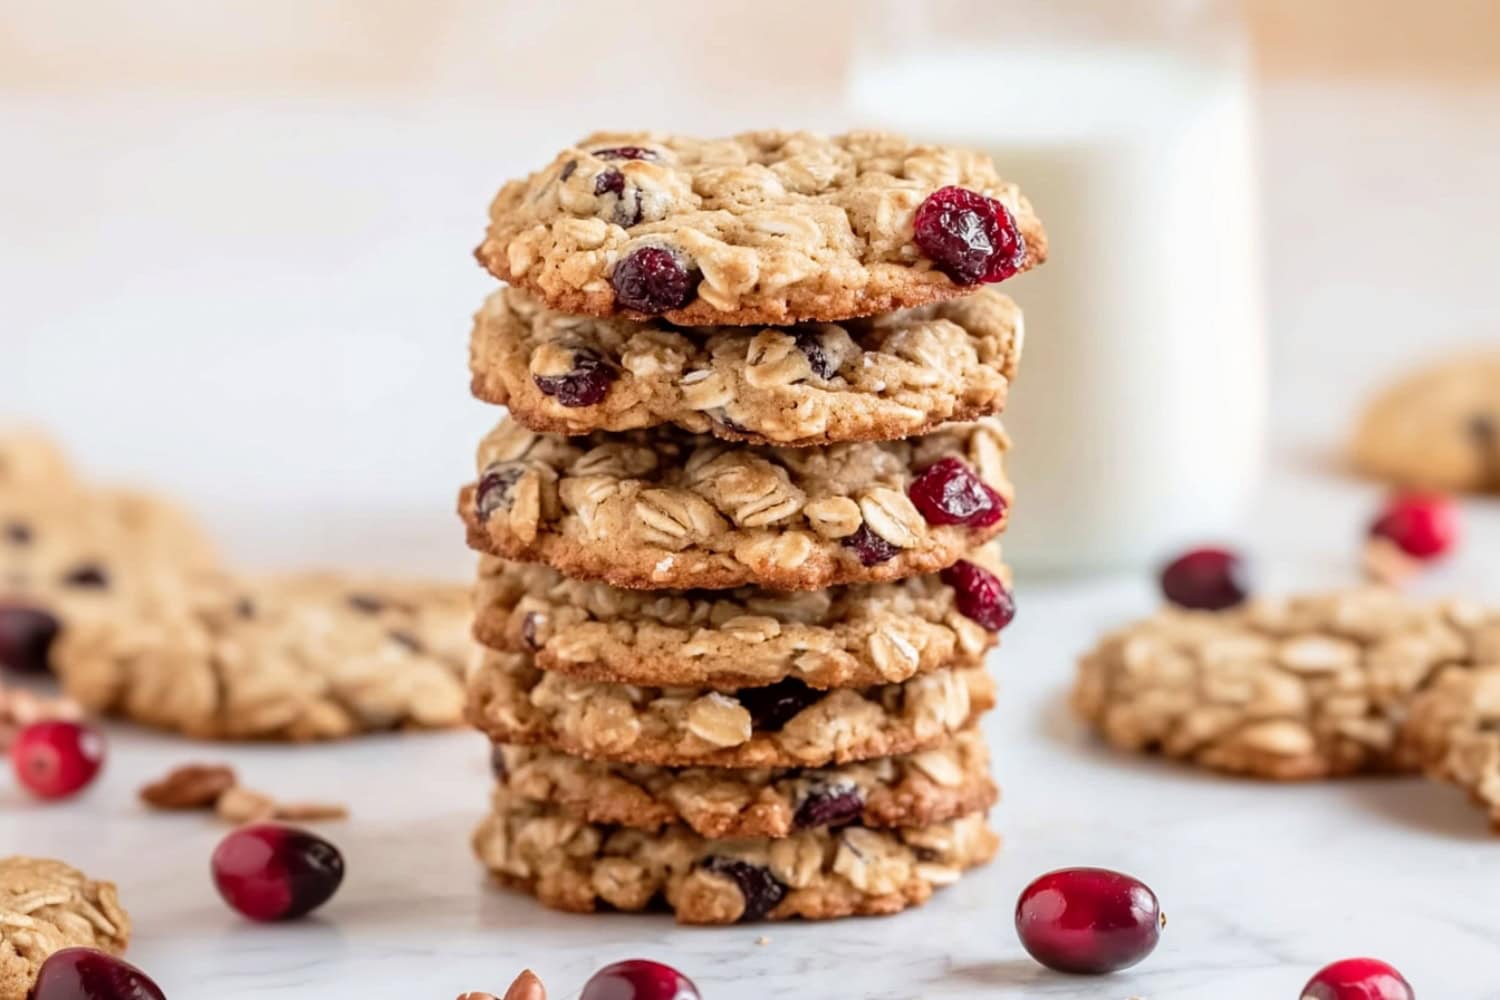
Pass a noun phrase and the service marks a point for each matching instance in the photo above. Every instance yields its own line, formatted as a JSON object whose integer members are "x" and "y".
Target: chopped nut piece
{"x": 192, "y": 786}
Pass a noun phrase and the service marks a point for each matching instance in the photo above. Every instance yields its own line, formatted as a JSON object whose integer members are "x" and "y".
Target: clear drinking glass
{"x": 1139, "y": 415}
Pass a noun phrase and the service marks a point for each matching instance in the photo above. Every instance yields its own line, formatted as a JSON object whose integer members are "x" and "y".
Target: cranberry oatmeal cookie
{"x": 1311, "y": 687}
{"x": 1436, "y": 429}
{"x": 916, "y": 789}
{"x": 817, "y": 874}
{"x": 307, "y": 657}
{"x": 786, "y": 724}
{"x": 46, "y": 906}
{"x": 671, "y": 509}
{"x": 765, "y": 227}
{"x": 68, "y": 552}
{"x": 852, "y": 636}
{"x": 1453, "y": 733}
{"x": 878, "y": 379}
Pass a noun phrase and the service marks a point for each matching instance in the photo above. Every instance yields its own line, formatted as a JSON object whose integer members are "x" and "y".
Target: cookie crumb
{"x": 762, "y": 940}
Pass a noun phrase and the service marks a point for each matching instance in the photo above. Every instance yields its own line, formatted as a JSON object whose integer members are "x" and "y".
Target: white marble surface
{"x": 1261, "y": 883}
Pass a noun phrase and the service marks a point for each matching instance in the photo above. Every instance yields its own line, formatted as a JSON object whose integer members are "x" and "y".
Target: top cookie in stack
{"x": 741, "y": 372}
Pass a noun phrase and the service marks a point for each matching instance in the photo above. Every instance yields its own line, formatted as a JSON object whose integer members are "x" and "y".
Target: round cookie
{"x": 672, "y": 509}
{"x": 880, "y": 379}
{"x": 813, "y": 874}
{"x": 46, "y": 906}
{"x": 307, "y": 657}
{"x": 1453, "y": 733}
{"x": 1436, "y": 429}
{"x": 765, "y": 227}
{"x": 782, "y": 725}
{"x": 852, "y": 636}
{"x": 916, "y": 789}
{"x": 1310, "y": 687}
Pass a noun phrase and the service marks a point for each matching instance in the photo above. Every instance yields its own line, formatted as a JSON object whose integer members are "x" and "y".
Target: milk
{"x": 1139, "y": 412}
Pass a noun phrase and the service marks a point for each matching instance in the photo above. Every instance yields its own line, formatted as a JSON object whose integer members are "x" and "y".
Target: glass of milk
{"x": 1138, "y": 417}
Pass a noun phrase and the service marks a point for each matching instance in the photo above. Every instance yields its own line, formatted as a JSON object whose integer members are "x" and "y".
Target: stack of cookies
{"x": 735, "y": 591}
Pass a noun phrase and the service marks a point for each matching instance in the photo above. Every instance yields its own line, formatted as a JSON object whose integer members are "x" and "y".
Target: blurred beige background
{"x": 237, "y": 232}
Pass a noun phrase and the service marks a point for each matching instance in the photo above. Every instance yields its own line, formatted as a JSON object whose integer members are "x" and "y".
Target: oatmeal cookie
{"x": 1453, "y": 732}
{"x": 879, "y": 379}
{"x": 572, "y": 865}
{"x": 46, "y": 906}
{"x": 787, "y": 724}
{"x": 916, "y": 789}
{"x": 1310, "y": 687}
{"x": 69, "y": 551}
{"x": 1436, "y": 429}
{"x": 766, "y": 227}
{"x": 307, "y": 657}
{"x": 672, "y": 509}
{"x": 877, "y": 633}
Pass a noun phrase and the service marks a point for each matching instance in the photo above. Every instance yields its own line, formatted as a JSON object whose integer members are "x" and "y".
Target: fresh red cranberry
{"x": 1423, "y": 525}
{"x": 494, "y": 489}
{"x": 817, "y": 358}
{"x": 948, "y": 492}
{"x": 626, "y": 153}
{"x": 653, "y": 280}
{"x": 1206, "y": 580}
{"x": 57, "y": 758}
{"x": 273, "y": 872}
{"x": 1088, "y": 921}
{"x": 88, "y": 974}
{"x": 639, "y": 979}
{"x": 773, "y": 706}
{"x": 980, "y": 595}
{"x": 26, "y": 637}
{"x": 971, "y": 237}
{"x": 830, "y": 805}
{"x": 1358, "y": 979}
{"x": 870, "y": 547}
{"x": 586, "y": 384}
{"x": 760, "y": 889}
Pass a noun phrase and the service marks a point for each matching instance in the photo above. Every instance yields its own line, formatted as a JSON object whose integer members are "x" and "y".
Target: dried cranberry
{"x": 639, "y": 979}
{"x": 493, "y": 491}
{"x": 1088, "y": 921}
{"x": 610, "y": 181}
{"x": 948, "y": 492}
{"x": 870, "y": 547}
{"x": 90, "y": 575}
{"x": 497, "y": 763}
{"x": 584, "y": 385}
{"x": 57, "y": 758}
{"x": 759, "y": 887}
{"x": 367, "y": 604}
{"x": 1206, "y": 580}
{"x": 18, "y": 533}
{"x": 272, "y": 872}
{"x": 980, "y": 595}
{"x": 1358, "y": 979}
{"x": 653, "y": 280}
{"x": 822, "y": 365}
{"x": 567, "y": 170}
{"x": 772, "y": 707}
{"x": 971, "y": 237}
{"x": 407, "y": 641}
{"x": 830, "y": 805}
{"x": 625, "y": 153}
{"x": 26, "y": 637}
{"x": 89, "y": 974}
{"x": 1423, "y": 525}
